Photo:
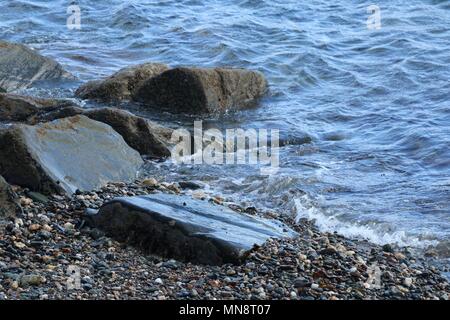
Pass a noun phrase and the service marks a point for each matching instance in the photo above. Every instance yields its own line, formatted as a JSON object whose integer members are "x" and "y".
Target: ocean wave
{"x": 374, "y": 232}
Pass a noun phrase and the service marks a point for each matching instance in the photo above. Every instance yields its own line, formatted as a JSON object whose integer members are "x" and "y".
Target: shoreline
{"x": 50, "y": 238}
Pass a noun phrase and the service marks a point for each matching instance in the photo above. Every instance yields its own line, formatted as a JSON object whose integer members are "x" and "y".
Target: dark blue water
{"x": 367, "y": 111}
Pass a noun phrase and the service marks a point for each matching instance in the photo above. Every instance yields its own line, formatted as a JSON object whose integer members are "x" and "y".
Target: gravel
{"x": 49, "y": 253}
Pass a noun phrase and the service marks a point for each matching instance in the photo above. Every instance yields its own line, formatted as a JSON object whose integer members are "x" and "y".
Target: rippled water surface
{"x": 366, "y": 112}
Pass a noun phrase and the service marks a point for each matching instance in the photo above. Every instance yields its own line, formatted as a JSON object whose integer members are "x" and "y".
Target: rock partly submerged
{"x": 197, "y": 90}
{"x": 21, "y": 67}
{"x": 186, "y": 229}
{"x": 122, "y": 85}
{"x": 180, "y": 90}
{"x": 66, "y": 155}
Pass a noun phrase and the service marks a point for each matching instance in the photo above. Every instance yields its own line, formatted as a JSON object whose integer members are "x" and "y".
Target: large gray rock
{"x": 8, "y": 201}
{"x": 185, "y": 229}
{"x": 140, "y": 134}
{"x": 121, "y": 85}
{"x": 195, "y": 90}
{"x": 16, "y": 108}
{"x": 21, "y": 67}
{"x": 145, "y": 136}
{"x": 66, "y": 155}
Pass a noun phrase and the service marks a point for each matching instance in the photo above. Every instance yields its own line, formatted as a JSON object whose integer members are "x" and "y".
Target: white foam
{"x": 374, "y": 233}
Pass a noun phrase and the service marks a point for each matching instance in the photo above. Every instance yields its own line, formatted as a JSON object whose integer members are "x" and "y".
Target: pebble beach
{"x": 49, "y": 253}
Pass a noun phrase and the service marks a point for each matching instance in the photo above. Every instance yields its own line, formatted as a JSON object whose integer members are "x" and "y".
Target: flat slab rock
{"x": 65, "y": 155}
{"x": 185, "y": 229}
